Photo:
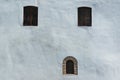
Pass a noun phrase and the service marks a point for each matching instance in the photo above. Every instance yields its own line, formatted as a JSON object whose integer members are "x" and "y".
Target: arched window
{"x": 84, "y": 16}
{"x": 70, "y": 65}
{"x": 30, "y": 16}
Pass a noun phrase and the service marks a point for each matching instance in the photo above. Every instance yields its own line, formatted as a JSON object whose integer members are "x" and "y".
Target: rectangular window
{"x": 30, "y": 16}
{"x": 84, "y": 16}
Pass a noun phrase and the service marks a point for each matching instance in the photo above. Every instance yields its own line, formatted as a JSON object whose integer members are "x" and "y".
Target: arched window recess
{"x": 70, "y": 65}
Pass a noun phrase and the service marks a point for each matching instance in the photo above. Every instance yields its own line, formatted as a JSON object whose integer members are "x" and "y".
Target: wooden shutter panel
{"x": 84, "y": 16}
{"x": 30, "y": 16}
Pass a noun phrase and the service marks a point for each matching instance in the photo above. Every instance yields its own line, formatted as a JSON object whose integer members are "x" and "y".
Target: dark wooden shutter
{"x": 30, "y": 16}
{"x": 84, "y": 16}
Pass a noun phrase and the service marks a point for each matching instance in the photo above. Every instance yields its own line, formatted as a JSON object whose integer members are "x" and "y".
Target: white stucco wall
{"x": 36, "y": 53}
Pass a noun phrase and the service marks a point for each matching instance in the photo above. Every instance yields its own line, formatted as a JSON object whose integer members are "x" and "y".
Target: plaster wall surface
{"x": 37, "y": 53}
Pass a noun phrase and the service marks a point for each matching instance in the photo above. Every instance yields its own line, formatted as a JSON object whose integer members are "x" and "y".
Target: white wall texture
{"x": 37, "y": 53}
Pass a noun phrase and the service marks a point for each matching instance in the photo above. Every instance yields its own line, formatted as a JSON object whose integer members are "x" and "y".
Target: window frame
{"x": 75, "y": 65}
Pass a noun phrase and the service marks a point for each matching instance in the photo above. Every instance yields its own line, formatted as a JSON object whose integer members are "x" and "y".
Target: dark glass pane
{"x": 69, "y": 67}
